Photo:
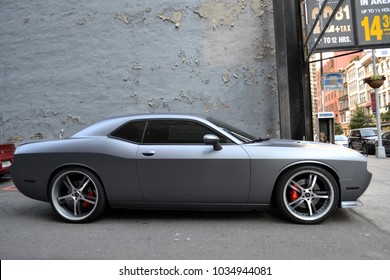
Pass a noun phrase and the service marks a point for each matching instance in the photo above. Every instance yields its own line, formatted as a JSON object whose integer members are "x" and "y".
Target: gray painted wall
{"x": 67, "y": 64}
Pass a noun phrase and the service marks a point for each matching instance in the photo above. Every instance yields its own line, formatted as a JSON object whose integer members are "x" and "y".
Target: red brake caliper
{"x": 85, "y": 203}
{"x": 294, "y": 195}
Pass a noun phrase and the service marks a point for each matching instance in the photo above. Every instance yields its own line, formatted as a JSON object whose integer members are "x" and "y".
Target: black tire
{"x": 307, "y": 194}
{"x": 350, "y": 145}
{"x": 77, "y": 195}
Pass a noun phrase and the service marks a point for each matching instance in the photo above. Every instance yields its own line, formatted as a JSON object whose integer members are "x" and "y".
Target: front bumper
{"x": 351, "y": 204}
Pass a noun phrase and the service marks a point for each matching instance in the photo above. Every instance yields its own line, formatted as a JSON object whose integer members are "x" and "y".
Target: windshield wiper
{"x": 257, "y": 140}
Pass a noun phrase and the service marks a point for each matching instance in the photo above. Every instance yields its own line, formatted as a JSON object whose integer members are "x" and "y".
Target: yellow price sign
{"x": 376, "y": 27}
{"x": 374, "y": 19}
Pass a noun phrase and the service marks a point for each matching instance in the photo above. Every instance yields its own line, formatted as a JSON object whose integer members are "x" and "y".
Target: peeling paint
{"x": 123, "y": 17}
{"x": 50, "y": 114}
{"x": 220, "y": 13}
{"x": 37, "y": 136}
{"x": 185, "y": 98}
{"x": 74, "y": 118}
{"x": 81, "y": 21}
{"x": 264, "y": 49}
{"x": 152, "y": 103}
{"x": 134, "y": 96}
{"x": 182, "y": 56}
{"x": 130, "y": 19}
{"x": 225, "y": 77}
{"x": 176, "y": 17}
{"x": 16, "y": 138}
{"x": 258, "y": 7}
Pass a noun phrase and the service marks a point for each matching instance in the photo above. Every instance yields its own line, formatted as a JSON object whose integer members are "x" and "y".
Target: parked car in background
{"x": 341, "y": 140}
{"x": 363, "y": 139}
{"x": 170, "y": 161}
{"x": 386, "y": 142}
{"x": 6, "y": 158}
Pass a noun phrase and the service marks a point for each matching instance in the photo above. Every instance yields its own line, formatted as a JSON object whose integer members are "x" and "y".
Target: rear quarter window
{"x": 132, "y": 131}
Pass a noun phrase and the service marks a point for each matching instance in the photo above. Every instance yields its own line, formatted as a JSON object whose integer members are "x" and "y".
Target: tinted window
{"x": 369, "y": 132}
{"x": 175, "y": 132}
{"x": 131, "y": 131}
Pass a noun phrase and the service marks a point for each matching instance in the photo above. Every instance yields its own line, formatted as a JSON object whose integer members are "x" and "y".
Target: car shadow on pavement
{"x": 164, "y": 215}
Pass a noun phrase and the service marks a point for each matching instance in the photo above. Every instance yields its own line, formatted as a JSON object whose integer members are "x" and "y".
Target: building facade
{"x": 67, "y": 64}
{"x": 355, "y": 93}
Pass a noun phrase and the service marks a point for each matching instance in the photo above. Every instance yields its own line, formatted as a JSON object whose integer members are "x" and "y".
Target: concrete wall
{"x": 67, "y": 64}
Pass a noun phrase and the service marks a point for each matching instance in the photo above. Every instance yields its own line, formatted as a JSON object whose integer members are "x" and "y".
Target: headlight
{"x": 371, "y": 141}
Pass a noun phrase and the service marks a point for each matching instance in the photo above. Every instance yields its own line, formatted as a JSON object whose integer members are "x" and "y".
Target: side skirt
{"x": 191, "y": 206}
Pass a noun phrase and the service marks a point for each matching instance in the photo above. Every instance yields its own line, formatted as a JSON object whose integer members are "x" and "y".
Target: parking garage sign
{"x": 357, "y": 24}
{"x": 340, "y": 32}
{"x": 373, "y": 22}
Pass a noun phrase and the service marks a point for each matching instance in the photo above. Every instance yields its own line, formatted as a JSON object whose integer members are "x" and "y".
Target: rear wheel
{"x": 307, "y": 194}
{"x": 77, "y": 195}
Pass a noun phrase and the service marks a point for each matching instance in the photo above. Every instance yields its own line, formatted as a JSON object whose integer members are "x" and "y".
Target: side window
{"x": 131, "y": 131}
{"x": 175, "y": 132}
{"x": 386, "y": 136}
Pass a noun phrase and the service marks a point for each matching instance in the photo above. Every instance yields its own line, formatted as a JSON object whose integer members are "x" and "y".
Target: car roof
{"x": 363, "y": 128}
{"x": 106, "y": 126}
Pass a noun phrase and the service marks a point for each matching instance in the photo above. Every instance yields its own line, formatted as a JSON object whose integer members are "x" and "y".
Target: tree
{"x": 359, "y": 119}
{"x": 385, "y": 117}
{"x": 338, "y": 130}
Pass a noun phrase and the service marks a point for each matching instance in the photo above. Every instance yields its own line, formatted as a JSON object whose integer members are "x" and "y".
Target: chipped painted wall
{"x": 66, "y": 64}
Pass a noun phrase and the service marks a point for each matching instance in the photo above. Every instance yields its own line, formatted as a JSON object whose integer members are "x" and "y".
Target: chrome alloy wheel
{"x": 76, "y": 195}
{"x": 308, "y": 194}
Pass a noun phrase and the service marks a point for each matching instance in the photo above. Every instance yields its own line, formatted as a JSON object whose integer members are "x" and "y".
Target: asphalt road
{"x": 30, "y": 230}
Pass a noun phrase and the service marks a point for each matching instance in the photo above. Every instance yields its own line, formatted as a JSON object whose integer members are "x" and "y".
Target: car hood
{"x": 294, "y": 143}
{"x": 371, "y": 137}
{"x": 305, "y": 149}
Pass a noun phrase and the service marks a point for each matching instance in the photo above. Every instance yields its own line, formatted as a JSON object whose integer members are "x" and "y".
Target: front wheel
{"x": 77, "y": 195}
{"x": 307, "y": 194}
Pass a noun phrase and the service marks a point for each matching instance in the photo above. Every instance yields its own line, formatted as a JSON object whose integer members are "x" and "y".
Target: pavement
{"x": 376, "y": 199}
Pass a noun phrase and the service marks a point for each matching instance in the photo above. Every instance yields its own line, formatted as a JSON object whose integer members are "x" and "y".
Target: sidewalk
{"x": 376, "y": 200}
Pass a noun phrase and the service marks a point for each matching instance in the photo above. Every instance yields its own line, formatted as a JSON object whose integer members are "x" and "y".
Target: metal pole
{"x": 380, "y": 150}
{"x": 322, "y": 85}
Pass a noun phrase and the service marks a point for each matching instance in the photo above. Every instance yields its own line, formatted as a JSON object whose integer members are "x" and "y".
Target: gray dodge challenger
{"x": 171, "y": 161}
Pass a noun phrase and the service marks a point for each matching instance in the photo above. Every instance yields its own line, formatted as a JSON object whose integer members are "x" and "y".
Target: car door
{"x": 356, "y": 140}
{"x": 176, "y": 166}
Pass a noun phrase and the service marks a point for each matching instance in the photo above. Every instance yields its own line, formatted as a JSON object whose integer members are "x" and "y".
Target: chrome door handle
{"x": 148, "y": 153}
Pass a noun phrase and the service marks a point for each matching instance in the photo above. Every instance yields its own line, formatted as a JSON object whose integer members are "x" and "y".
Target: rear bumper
{"x": 5, "y": 165}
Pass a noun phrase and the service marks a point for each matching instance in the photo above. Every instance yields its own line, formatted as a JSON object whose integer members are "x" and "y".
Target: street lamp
{"x": 380, "y": 150}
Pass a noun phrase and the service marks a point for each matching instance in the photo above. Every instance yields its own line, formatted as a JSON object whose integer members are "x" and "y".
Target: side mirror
{"x": 211, "y": 139}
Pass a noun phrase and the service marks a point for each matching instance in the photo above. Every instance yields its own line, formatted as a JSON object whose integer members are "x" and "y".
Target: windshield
{"x": 369, "y": 132}
{"x": 340, "y": 138}
{"x": 237, "y": 133}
